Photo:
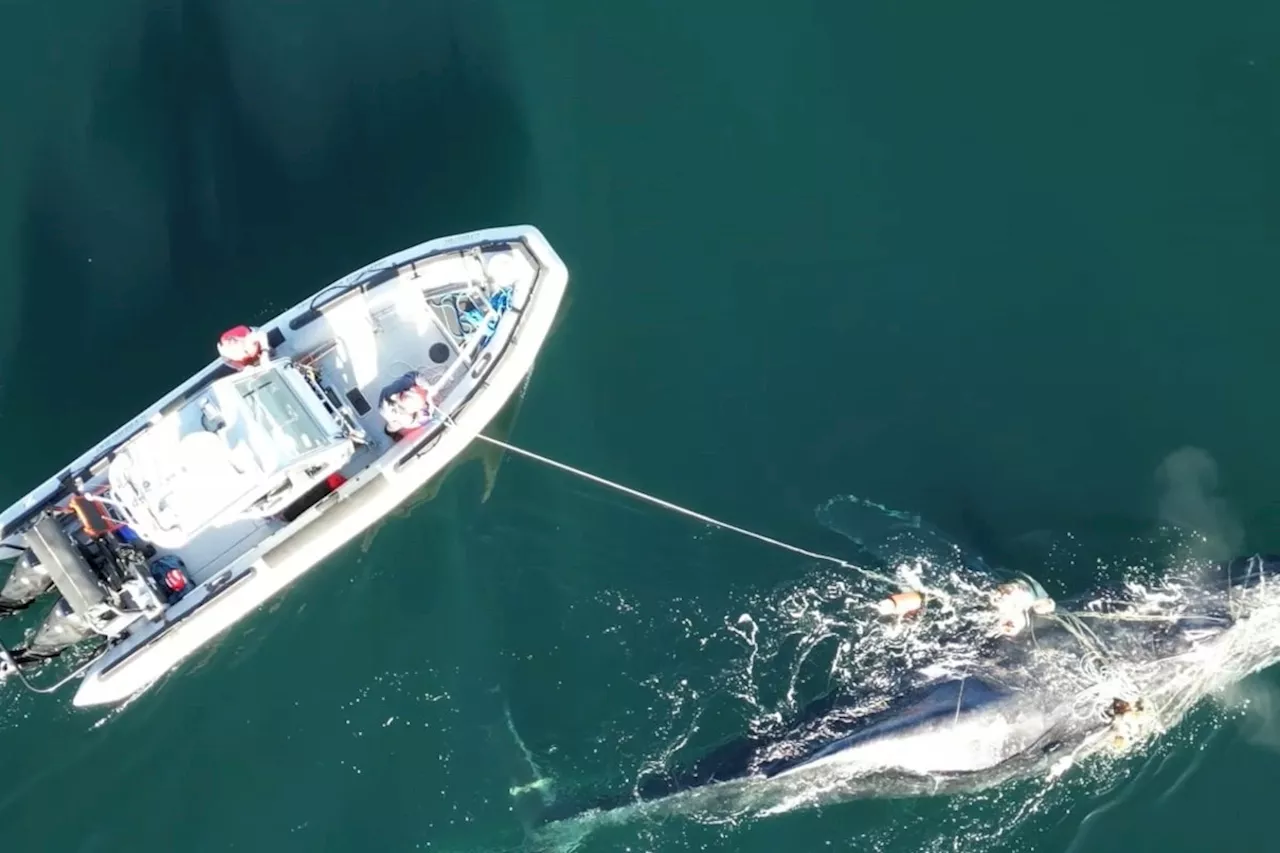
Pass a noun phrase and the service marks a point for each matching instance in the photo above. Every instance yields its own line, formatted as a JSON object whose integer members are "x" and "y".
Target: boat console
{"x": 245, "y": 448}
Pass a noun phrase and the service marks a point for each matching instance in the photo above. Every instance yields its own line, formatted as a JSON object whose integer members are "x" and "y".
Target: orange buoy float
{"x": 900, "y": 604}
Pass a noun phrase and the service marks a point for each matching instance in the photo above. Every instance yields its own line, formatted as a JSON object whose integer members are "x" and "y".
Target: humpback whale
{"x": 1041, "y": 689}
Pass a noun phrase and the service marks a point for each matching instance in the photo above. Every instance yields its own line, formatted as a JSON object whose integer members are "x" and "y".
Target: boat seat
{"x": 411, "y": 305}
{"x": 356, "y": 331}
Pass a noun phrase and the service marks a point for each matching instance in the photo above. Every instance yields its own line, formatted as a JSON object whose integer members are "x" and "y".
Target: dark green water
{"x": 991, "y": 263}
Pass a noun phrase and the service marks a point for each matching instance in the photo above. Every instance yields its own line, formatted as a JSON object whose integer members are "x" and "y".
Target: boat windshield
{"x": 284, "y": 429}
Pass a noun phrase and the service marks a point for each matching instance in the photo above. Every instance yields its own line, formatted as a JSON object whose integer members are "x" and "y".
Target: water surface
{"x": 990, "y": 263}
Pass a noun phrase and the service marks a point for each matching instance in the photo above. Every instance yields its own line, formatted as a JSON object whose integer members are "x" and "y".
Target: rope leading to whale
{"x": 1095, "y": 702}
{"x": 498, "y": 303}
{"x": 665, "y": 504}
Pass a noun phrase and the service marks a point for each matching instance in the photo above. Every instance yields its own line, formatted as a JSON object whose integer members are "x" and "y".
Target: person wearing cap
{"x": 243, "y": 346}
{"x": 408, "y": 408}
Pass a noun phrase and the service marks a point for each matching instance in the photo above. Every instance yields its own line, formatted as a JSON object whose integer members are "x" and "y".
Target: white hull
{"x": 229, "y": 591}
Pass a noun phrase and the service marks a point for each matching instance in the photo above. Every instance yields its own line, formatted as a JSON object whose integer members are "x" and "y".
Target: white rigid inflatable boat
{"x": 205, "y": 505}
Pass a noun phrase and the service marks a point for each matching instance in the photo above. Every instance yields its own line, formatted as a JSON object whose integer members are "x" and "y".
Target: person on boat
{"x": 243, "y": 346}
{"x": 407, "y": 408}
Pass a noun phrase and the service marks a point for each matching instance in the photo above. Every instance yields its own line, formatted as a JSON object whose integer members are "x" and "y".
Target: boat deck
{"x": 368, "y": 342}
{"x": 360, "y": 346}
{"x": 362, "y": 340}
{"x": 376, "y": 347}
{"x": 217, "y": 547}
{"x": 214, "y": 547}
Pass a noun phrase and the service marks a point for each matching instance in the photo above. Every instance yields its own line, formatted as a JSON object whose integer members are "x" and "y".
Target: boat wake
{"x": 821, "y": 637}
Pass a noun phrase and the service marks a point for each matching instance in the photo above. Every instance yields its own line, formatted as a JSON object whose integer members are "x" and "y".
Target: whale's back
{"x": 959, "y": 726}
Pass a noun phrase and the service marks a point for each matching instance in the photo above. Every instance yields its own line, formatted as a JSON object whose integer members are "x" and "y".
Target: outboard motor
{"x": 61, "y": 630}
{"x": 28, "y": 581}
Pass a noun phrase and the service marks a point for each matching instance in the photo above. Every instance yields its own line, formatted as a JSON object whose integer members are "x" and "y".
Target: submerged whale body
{"x": 1028, "y": 701}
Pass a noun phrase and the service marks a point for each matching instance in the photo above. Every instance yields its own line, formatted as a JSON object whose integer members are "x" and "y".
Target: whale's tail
{"x": 750, "y": 755}
{"x": 532, "y": 792}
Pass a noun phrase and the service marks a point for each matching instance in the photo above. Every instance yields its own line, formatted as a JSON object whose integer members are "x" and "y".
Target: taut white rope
{"x": 636, "y": 493}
